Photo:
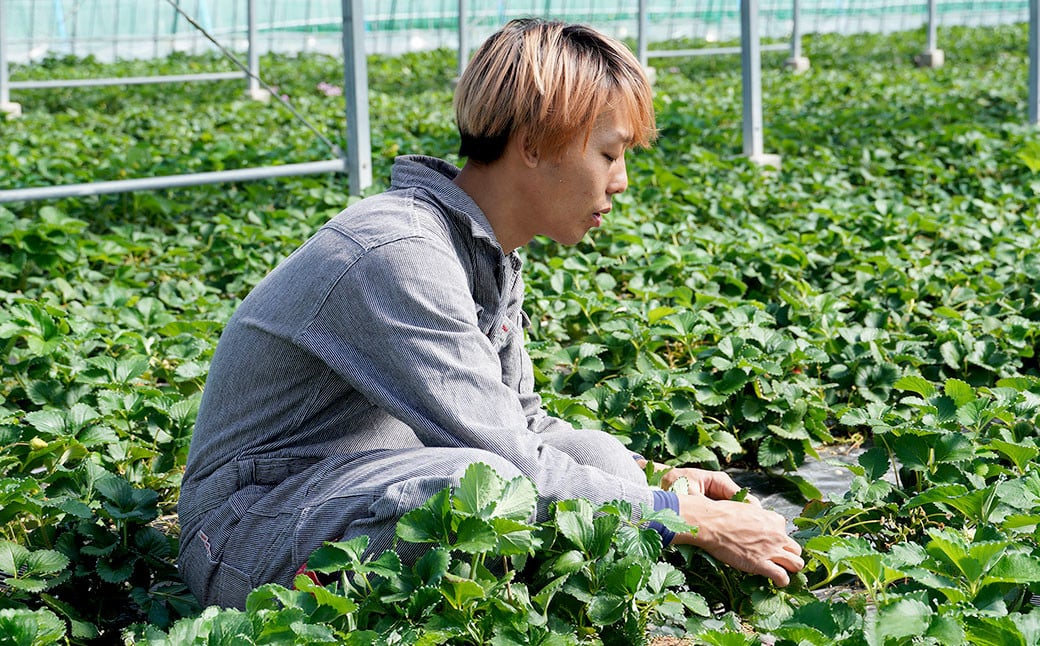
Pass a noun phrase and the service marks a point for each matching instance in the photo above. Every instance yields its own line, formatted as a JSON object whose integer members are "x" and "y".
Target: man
{"x": 386, "y": 354}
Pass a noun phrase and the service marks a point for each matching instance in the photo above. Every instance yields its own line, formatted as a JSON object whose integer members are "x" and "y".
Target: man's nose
{"x": 619, "y": 180}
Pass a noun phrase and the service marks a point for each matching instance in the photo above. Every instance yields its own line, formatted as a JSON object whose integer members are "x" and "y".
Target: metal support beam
{"x": 642, "y": 42}
{"x": 463, "y": 36}
{"x": 932, "y": 56}
{"x": 797, "y": 62}
{"x": 6, "y": 106}
{"x": 254, "y": 90}
{"x": 751, "y": 73}
{"x": 171, "y": 181}
{"x": 1034, "y": 62}
{"x": 129, "y": 80}
{"x": 710, "y": 51}
{"x": 355, "y": 92}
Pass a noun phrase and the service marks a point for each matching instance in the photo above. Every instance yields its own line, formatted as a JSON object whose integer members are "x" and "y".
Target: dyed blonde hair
{"x": 549, "y": 80}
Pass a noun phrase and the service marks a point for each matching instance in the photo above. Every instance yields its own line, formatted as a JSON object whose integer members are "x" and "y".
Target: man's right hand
{"x": 745, "y": 536}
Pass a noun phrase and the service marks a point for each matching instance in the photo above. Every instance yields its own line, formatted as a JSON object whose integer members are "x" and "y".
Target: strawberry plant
{"x": 879, "y": 288}
{"x": 488, "y": 575}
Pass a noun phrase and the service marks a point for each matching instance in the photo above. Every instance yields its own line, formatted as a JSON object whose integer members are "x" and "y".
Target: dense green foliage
{"x": 879, "y": 288}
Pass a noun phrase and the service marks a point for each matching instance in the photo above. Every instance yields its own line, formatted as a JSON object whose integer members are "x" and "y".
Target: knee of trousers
{"x": 467, "y": 457}
{"x": 597, "y": 449}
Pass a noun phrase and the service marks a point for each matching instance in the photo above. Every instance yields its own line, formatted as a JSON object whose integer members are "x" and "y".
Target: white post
{"x": 751, "y": 74}
{"x": 355, "y": 72}
{"x": 932, "y": 56}
{"x": 463, "y": 36}
{"x": 643, "y": 41}
{"x": 255, "y": 91}
{"x": 644, "y": 23}
{"x": 797, "y": 62}
{"x": 6, "y": 106}
{"x": 1034, "y": 62}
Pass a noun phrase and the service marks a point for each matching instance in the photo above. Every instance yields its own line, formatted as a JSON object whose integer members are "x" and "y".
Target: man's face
{"x": 573, "y": 193}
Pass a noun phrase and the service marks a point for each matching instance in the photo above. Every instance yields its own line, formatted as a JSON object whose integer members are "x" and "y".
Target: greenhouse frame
{"x": 355, "y": 30}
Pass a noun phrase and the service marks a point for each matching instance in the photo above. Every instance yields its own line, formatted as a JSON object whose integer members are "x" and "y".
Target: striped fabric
{"x": 363, "y": 375}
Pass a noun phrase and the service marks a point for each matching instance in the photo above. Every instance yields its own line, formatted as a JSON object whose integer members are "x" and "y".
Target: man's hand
{"x": 716, "y": 485}
{"x": 744, "y": 536}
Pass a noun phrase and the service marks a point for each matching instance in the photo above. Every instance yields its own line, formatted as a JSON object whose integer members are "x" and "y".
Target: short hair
{"x": 551, "y": 80}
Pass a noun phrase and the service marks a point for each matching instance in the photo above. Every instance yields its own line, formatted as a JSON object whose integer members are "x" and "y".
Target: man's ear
{"x": 528, "y": 149}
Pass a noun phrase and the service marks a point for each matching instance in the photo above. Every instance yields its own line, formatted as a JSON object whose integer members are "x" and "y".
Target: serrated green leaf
{"x": 639, "y": 542}
{"x": 807, "y": 489}
{"x": 31, "y": 627}
{"x": 432, "y": 566}
{"x": 875, "y": 463}
{"x": 993, "y": 631}
{"x": 604, "y": 529}
{"x": 387, "y": 565}
{"x": 308, "y": 633}
{"x": 919, "y": 385}
{"x": 574, "y": 520}
{"x": 664, "y": 576}
{"x": 430, "y": 523}
{"x": 27, "y": 584}
{"x": 44, "y": 562}
{"x": 460, "y": 591}
{"x": 771, "y": 452}
{"x": 904, "y": 618}
{"x": 1014, "y": 568}
{"x": 325, "y": 597}
{"x": 475, "y": 535}
{"x": 606, "y": 609}
{"x": 959, "y": 391}
{"x": 1019, "y": 454}
{"x": 951, "y": 355}
{"x": 423, "y": 601}
{"x": 115, "y": 570}
{"x": 12, "y": 557}
{"x": 518, "y": 500}
{"x": 47, "y": 421}
{"x": 336, "y": 556}
{"x": 478, "y": 491}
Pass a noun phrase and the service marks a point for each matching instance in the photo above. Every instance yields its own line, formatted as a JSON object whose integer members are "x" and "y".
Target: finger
{"x": 789, "y": 562}
{"x": 776, "y": 574}
{"x": 720, "y": 486}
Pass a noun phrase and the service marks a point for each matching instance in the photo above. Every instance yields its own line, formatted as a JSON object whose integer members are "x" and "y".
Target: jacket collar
{"x": 436, "y": 177}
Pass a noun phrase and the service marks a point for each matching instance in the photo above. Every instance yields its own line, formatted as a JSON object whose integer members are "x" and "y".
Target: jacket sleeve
{"x": 400, "y": 326}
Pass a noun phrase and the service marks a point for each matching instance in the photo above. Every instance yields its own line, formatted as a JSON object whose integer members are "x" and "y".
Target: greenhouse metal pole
{"x": 1034, "y": 62}
{"x": 932, "y": 56}
{"x": 797, "y": 61}
{"x": 170, "y": 181}
{"x": 254, "y": 55}
{"x": 5, "y": 95}
{"x": 932, "y": 36}
{"x": 644, "y": 25}
{"x": 5, "y": 91}
{"x": 355, "y": 72}
{"x": 463, "y": 36}
{"x": 751, "y": 73}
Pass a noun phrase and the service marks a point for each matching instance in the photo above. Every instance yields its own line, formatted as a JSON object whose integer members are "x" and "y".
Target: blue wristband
{"x": 664, "y": 500}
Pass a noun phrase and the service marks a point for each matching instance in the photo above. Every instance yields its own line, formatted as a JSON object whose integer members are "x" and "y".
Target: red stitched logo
{"x": 205, "y": 541}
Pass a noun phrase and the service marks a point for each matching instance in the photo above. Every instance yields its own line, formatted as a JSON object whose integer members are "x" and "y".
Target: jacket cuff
{"x": 664, "y": 500}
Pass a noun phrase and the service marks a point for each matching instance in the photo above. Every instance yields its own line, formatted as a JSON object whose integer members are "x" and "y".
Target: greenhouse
{"x": 807, "y": 308}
